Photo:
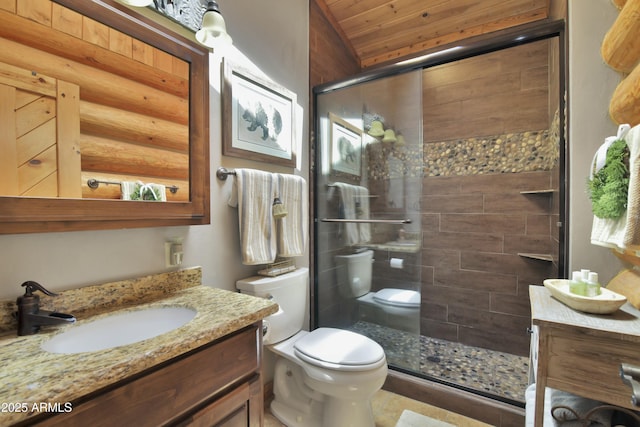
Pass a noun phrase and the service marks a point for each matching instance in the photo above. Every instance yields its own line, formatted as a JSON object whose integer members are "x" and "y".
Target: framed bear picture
{"x": 258, "y": 120}
{"x": 346, "y": 146}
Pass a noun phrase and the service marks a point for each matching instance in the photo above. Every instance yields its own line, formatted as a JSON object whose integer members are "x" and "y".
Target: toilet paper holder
{"x": 396, "y": 263}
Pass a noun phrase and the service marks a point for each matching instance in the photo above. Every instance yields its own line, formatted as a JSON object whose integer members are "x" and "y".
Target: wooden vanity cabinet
{"x": 216, "y": 385}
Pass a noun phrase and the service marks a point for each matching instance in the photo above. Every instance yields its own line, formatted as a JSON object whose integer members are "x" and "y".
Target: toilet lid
{"x": 339, "y": 349}
{"x": 398, "y": 297}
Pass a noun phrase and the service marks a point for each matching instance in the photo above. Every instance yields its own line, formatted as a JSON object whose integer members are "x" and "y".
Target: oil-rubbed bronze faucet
{"x": 29, "y": 315}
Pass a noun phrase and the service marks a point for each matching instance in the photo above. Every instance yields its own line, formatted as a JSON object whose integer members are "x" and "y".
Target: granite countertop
{"x": 30, "y": 375}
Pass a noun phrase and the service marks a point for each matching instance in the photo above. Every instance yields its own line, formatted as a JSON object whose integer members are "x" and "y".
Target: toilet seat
{"x": 339, "y": 350}
{"x": 398, "y": 297}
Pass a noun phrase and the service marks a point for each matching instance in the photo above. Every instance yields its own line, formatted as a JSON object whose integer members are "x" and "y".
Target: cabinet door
{"x": 240, "y": 408}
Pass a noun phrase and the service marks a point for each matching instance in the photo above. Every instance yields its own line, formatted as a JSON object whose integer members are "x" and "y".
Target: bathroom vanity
{"x": 207, "y": 372}
{"x": 216, "y": 385}
{"x": 581, "y": 353}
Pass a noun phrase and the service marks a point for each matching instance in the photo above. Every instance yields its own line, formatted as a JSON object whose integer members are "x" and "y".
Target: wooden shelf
{"x": 547, "y": 191}
{"x": 541, "y": 257}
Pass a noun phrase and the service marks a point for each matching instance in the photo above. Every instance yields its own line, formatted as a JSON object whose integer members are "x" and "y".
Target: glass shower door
{"x": 439, "y": 202}
{"x": 368, "y": 191}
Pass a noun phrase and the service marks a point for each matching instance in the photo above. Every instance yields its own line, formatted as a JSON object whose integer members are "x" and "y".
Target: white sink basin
{"x": 119, "y": 329}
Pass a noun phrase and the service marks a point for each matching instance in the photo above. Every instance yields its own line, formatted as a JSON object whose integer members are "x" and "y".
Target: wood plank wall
{"x": 36, "y": 111}
{"x": 134, "y": 98}
{"x": 329, "y": 58}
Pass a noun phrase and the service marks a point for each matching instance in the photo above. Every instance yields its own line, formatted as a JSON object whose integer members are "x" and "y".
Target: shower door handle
{"x": 368, "y": 221}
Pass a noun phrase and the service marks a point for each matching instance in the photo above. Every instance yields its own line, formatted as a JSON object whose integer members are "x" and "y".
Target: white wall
{"x": 591, "y": 84}
{"x": 274, "y": 39}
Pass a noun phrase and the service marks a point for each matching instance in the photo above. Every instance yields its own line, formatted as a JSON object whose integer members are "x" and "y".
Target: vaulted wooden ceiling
{"x": 379, "y": 31}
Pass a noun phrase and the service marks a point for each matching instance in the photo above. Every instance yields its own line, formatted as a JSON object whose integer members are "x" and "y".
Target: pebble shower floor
{"x": 490, "y": 372}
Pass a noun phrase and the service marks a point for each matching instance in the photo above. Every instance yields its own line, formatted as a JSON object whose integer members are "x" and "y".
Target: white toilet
{"x": 396, "y": 308}
{"x": 323, "y": 378}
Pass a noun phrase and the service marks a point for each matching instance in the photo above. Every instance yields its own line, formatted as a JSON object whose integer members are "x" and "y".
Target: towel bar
{"x": 95, "y": 183}
{"x": 222, "y": 173}
{"x": 368, "y": 221}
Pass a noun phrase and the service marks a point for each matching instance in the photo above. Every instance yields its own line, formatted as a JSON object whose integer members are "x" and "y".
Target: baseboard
{"x": 462, "y": 402}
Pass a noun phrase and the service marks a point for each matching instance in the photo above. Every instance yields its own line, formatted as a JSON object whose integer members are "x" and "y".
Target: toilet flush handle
{"x": 265, "y": 323}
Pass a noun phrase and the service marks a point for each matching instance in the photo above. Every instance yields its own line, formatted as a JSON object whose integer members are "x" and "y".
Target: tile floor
{"x": 387, "y": 408}
{"x": 501, "y": 374}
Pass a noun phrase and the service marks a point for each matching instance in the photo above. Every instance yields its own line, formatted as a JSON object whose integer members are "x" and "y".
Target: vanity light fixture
{"x": 213, "y": 31}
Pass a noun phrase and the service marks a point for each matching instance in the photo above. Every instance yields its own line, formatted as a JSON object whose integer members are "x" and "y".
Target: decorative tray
{"x": 605, "y": 303}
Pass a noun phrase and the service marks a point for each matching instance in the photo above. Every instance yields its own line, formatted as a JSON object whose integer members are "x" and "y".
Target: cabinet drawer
{"x": 590, "y": 365}
{"x": 170, "y": 391}
{"x": 241, "y": 407}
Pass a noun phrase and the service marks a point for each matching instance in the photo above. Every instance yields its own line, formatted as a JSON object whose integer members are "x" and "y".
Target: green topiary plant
{"x": 608, "y": 190}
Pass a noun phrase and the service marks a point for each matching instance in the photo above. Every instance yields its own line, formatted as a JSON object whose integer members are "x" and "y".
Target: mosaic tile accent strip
{"x": 511, "y": 153}
{"x": 535, "y": 150}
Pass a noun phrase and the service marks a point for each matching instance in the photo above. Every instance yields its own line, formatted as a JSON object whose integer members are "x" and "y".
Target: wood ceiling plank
{"x": 394, "y": 14}
{"x": 380, "y": 30}
{"x": 458, "y": 19}
{"x": 382, "y": 52}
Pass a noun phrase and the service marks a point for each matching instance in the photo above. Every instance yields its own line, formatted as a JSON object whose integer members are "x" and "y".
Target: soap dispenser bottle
{"x": 577, "y": 286}
{"x": 593, "y": 287}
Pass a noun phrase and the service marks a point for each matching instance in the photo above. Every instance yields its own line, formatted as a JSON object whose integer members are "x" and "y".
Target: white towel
{"x": 133, "y": 190}
{"x": 632, "y": 229}
{"x": 253, "y": 194}
{"x": 293, "y": 229}
{"x": 362, "y": 212}
{"x": 350, "y": 231}
{"x": 623, "y": 232}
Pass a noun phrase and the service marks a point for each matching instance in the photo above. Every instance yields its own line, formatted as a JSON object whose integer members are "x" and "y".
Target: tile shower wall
{"x": 474, "y": 283}
{"x": 488, "y": 232}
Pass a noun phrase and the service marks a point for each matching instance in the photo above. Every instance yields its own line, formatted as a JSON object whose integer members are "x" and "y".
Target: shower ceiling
{"x": 378, "y": 31}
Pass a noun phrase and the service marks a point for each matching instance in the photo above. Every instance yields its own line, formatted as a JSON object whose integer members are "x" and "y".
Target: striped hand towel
{"x": 293, "y": 229}
{"x": 350, "y": 230}
{"x": 255, "y": 192}
{"x": 362, "y": 211}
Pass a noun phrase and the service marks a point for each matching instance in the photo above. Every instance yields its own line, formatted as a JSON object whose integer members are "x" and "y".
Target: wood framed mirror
{"x": 94, "y": 95}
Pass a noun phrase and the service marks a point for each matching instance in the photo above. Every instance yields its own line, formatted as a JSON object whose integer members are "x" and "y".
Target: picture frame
{"x": 258, "y": 117}
{"x": 346, "y": 146}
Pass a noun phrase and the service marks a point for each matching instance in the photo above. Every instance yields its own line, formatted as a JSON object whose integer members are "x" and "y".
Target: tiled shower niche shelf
{"x": 540, "y": 257}
{"x": 547, "y": 191}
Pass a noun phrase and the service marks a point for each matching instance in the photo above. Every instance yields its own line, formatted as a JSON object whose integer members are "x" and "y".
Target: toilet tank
{"x": 291, "y": 292}
{"x": 354, "y": 273}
